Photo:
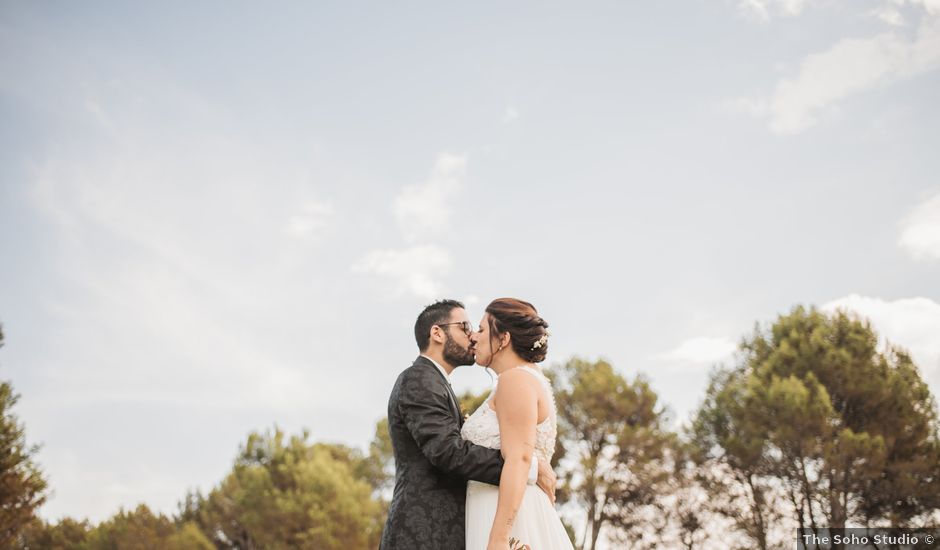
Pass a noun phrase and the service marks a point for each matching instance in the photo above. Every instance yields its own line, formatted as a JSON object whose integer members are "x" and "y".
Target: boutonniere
{"x": 516, "y": 544}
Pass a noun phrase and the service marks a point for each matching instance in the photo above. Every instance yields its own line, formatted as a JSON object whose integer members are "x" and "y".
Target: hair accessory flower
{"x": 541, "y": 341}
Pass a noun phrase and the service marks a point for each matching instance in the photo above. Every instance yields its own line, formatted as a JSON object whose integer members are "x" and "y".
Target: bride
{"x": 519, "y": 419}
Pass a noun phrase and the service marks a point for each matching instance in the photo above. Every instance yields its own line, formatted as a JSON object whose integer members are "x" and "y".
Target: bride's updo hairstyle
{"x": 527, "y": 331}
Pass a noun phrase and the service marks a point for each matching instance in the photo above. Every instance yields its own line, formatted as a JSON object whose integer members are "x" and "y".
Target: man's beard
{"x": 456, "y": 355}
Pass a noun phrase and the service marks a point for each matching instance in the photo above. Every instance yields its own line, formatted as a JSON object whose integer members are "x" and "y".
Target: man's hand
{"x": 547, "y": 479}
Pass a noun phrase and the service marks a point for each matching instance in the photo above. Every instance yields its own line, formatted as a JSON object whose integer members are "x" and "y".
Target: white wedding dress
{"x": 537, "y": 523}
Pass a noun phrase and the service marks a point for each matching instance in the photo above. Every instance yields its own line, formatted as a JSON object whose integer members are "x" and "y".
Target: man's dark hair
{"x": 434, "y": 314}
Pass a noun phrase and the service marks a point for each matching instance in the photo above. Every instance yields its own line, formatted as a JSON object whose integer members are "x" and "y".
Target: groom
{"x": 432, "y": 461}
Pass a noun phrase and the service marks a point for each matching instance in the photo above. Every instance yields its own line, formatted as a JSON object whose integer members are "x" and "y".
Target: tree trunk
{"x": 598, "y": 523}
{"x": 757, "y": 500}
{"x": 588, "y": 525}
{"x": 836, "y": 510}
{"x": 799, "y": 506}
{"x": 807, "y": 494}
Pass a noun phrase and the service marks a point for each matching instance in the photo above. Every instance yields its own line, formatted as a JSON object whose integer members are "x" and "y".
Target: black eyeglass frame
{"x": 467, "y": 326}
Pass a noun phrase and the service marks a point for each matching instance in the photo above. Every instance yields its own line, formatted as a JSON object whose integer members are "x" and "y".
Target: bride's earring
{"x": 501, "y": 345}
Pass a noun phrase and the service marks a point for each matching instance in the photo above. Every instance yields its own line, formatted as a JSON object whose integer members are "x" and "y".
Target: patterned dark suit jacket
{"x": 432, "y": 463}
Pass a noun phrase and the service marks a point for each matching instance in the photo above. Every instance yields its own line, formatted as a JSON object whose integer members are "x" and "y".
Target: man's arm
{"x": 427, "y": 413}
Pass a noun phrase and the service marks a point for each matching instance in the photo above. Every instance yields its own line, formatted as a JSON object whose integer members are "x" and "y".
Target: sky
{"x": 219, "y": 217}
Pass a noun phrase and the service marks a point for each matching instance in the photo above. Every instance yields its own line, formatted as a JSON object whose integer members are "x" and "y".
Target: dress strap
{"x": 536, "y": 373}
{"x": 531, "y": 370}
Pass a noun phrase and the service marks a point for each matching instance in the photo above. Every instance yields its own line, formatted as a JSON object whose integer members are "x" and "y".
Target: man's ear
{"x": 437, "y": 334}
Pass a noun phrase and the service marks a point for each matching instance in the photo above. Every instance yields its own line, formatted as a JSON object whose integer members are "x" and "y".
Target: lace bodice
{"x": 482, "y": 428}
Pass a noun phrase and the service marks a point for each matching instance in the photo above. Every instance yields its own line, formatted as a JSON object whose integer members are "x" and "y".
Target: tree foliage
{"x": 22, "y": 485}
{"x": 379, "y": 465}
{"x": 287, "y": 493}
{"x": 617, "y": 447}
{"x": 470, "y": 401}
{"x": 814, "y": 413}
{"x": 813, "y": 425}
{"x": 67, "y": 534}
{"x": 141, "y": 529}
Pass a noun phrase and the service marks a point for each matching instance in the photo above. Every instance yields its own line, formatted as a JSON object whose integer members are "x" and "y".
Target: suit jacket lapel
{"x": 454, "y": 404}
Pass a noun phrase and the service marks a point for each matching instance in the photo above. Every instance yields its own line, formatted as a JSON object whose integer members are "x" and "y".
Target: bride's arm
{"x": 516, "y": 403}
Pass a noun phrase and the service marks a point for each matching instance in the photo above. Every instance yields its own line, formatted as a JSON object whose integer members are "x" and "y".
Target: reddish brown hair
{"x": 522, "y": 322}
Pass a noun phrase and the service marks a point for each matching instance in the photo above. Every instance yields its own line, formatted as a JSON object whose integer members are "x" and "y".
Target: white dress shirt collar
{"x": 440, "y": 368}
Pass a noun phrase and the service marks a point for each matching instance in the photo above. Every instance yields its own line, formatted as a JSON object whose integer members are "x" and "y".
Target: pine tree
{"x": 618, "y": 450}
{"x": 845, "y": 432}
{"x": 22, "y": 486}
{"x": 286, "y": 493}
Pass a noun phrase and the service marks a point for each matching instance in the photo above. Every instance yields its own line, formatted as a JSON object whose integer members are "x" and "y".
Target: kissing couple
{"x": 481, "y": 482}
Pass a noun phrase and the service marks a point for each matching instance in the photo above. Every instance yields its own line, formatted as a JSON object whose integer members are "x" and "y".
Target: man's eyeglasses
{"x": 466, "y": 326}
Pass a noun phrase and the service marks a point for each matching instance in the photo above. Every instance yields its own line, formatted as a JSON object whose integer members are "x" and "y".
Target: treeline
{"x": 283, "y": 492}
{"x": 810, "y": 426}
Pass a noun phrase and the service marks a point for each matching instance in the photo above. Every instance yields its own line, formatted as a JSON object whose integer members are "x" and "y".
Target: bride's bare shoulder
{"x": 515, "y": 384}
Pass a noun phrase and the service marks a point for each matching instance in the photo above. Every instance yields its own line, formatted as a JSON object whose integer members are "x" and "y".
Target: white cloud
{"x": 701, "y": 350}
{"x": 310, "y": 219}
{"x": 416, "y": 269}
{"x": 912, "y": 323}
{"x": 423, "y": 213}
{"x": 850, "y": 66}
{"x": 421, "y": 210}
{"x": 172, "y": 250}
{"x": 756, "y": 107}
{"x": 932, "y": 6}
{"x": 920, "y": 230}
{"x": 510, "y": 115}
{"x": 179, "y": 286}
{"x": 765, "y": 9}
{"x": 888, "y": 14}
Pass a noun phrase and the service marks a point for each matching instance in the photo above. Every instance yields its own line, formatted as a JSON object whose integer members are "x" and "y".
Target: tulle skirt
{"x": 537, "y": 523}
